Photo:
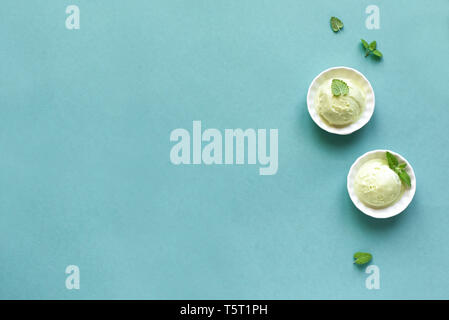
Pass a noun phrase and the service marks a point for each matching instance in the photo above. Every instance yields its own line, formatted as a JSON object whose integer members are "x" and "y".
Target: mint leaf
{"x": 399, "y": 168}
{"x": 365, "y": 44}
{"x": 377, "y": 53}
{"x": 392, "y": 160}
{"x": 362, "y": 257}
{"x": 336, "y": 24}
{"x": 339, "y": 87}
{"x": 371, "y": 48}
{"x": 403, "y": 175}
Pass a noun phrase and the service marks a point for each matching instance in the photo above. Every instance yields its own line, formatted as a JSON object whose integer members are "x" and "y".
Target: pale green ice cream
{"x": 342, "y": 110}
{"x": 376, "y": 184}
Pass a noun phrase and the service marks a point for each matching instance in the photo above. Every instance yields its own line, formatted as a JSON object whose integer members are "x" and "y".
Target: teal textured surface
{"x": 86, "y": 177}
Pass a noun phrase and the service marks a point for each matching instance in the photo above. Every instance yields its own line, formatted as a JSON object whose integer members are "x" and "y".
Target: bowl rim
{"x": 389, "y": 211}
{"x": 335, "y": 130}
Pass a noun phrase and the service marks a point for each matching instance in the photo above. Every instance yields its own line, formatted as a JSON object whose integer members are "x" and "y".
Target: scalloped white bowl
{"x": 357, "y": 78}
{"x": 397, "y": 207}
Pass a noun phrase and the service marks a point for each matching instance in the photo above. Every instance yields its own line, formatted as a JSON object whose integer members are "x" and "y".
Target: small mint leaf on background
{"x": 362, "y": 257}
{"x": 377, "y": 53}
{"x": 365, "y": 44}
{"x": 371, "y": 48}
{"x": 336, "y": 24}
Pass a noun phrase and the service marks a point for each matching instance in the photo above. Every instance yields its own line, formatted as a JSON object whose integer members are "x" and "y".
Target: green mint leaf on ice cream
{"x": 339, "y": 87}
{"x": 392, "y": 161}
{"x": 362, "y": 257}
{"x": 371, "y": 48}
{"x": 402, "y": 165}
{"x": 399, "y": 168}
{"x": 403, "y": 175}
{"x": 336, "y": 24}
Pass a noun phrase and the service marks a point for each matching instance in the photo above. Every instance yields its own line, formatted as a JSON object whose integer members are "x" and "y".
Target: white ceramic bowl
{"x": 395, "y": 208}
{"x": 358, "y": 79}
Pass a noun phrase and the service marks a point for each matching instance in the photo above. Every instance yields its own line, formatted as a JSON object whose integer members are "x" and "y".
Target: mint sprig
{"x": 399, "y": 168}
{"x": 339, "y": 87}
{"x": 336, "y": 24}
{"x": 362, "y": 257}
{"x": 371, "y": 48}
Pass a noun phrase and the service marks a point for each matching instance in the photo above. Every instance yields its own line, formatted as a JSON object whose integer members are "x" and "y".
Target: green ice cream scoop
{"x": 340, "y": 110}
{"x": 376, "y": 184}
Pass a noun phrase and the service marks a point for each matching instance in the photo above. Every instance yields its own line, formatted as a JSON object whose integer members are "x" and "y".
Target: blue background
{"x": 85, "y": 175}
